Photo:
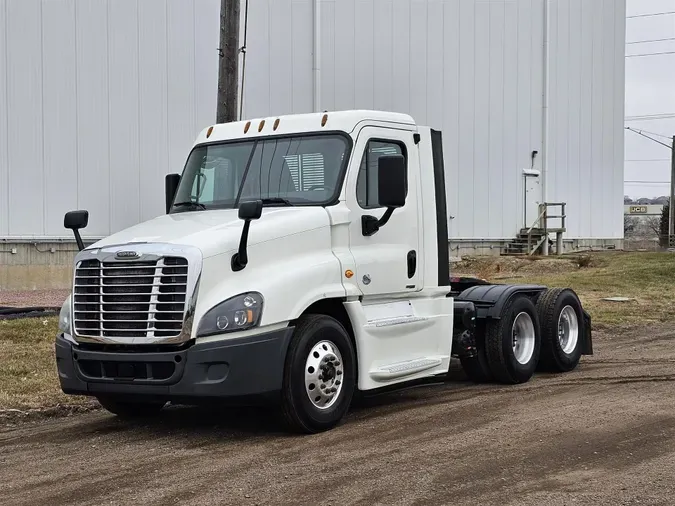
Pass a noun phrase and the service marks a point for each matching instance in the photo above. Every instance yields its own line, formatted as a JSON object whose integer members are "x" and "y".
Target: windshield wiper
{"x": 277, "y": 200}
{"x": 189, "y": 203}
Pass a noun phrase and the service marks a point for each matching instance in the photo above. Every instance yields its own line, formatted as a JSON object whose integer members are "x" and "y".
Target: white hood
{"x": 218, "y": 231}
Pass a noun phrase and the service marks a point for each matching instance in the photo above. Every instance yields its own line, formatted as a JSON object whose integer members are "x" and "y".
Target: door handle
{"x": 412, "y": 263}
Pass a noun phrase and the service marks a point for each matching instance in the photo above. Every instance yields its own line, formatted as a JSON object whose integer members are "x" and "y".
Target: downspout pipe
{"x": 545, "y": 100}
{"x": 316, "y": 55}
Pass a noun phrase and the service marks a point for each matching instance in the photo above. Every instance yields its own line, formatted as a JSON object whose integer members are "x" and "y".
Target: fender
{"x": 490, "y": 299}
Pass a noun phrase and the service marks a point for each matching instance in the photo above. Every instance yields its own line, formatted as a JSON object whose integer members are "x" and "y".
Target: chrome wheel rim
{"x": 568, "y": 330}
{"x": 523, "y": 338}
{"x": 324, "y": 374}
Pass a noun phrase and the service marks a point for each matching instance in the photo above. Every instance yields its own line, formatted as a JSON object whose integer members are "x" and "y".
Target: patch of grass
{"x": 648, "y": 278}
{"x": 28, "y": 376}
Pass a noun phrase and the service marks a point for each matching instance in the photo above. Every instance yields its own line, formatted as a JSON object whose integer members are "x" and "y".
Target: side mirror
{"x": 170, "y": 188}
{"x": 248, "y": 211}
{"x": 392, "y": 181}
{"x": 392, "y": 189}
{"x": 76, "y": 220}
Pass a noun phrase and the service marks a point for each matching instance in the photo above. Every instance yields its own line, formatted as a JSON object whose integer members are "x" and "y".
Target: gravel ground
{"x": 33, "y": 298}
{"x": 603, "y": 434}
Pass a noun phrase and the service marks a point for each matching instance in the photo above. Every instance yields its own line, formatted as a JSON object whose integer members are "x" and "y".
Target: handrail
{"x": 542, "y": 221}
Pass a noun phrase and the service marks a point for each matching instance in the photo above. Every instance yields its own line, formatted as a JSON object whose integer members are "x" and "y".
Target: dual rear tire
{"x": 544, "y": 334}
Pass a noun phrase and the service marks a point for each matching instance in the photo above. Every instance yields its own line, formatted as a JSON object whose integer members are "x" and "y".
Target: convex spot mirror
{"x": 392, "y": 181}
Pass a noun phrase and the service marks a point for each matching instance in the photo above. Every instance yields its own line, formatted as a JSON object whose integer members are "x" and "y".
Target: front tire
{"x": 130, "y": 409}
{"x": 561, "y": 329}
{"x": 319, "y": 375}
{"x": 513, "y": 342}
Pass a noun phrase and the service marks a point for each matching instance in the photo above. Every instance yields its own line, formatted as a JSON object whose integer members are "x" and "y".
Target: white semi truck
{"x": 301, "y": 259}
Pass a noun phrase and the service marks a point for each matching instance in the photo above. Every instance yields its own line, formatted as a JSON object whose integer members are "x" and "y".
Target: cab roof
{"x": 345, "y": 121}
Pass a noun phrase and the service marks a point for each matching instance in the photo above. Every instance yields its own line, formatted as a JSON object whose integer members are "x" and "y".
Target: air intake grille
{"x": 130, "y": 298}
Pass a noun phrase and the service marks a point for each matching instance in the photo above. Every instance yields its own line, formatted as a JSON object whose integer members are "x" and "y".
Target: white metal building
{"x": 99, "y": 99}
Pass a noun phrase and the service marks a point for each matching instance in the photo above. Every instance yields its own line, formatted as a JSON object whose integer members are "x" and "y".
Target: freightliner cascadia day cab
{"x": 301, "y": 259}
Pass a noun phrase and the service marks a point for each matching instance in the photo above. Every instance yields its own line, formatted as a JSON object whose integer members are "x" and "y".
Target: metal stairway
{"x": 534, "y": 240}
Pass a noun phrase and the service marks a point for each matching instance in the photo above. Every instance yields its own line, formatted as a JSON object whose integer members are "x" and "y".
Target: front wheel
{"x": 319, "y": 375}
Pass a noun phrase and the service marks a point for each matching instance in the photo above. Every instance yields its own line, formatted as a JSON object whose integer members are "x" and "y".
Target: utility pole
{"x": 228, "y": 68}
{"x": 671, "y": 216}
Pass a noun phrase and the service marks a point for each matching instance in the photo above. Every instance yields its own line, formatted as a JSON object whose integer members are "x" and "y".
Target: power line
{"x": 650, "y": 117}
{"x": 639, "y": 132}
{"x": 649, "y": 54}
{"x": 669, "y": 137}
{"x": 650, "y": 40}
{"x": 650, "y": 15}
{"x": 650, "y": 160}
{"x": 646, "y": 182}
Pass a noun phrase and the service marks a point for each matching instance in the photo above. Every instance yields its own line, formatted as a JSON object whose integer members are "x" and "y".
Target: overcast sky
{"x": 650, "y": 89}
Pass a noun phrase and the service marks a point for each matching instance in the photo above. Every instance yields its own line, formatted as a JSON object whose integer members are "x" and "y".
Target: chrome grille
{"x": 130, "y": 298}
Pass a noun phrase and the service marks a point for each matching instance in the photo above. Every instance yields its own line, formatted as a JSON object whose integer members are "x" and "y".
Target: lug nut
{"x": 323, "y": 386}
{"x": 337, "y": 382}
{"x": 338, "y": 373}
{"x": 337, "y": 363}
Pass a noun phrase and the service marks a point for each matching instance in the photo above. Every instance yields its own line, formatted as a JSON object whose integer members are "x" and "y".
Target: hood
{"x": 218, "y": 231}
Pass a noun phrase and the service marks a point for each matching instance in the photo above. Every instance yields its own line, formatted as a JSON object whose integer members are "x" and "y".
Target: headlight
{"x": 238, "y": 313}
{"x": 65, "y": 325}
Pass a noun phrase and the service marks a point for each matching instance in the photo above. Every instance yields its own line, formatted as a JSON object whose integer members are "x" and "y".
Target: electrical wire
{"x": 669, "y": 137}
{"x": 649, "y": 54}
{"x": 646, "y": 182}
{"x": 650, "y": 117}
{"x": 654, "y": 14}
{"x": 639, "y": 132}
{"x": 649, "y": 41}
{"x": 651, "y": 160}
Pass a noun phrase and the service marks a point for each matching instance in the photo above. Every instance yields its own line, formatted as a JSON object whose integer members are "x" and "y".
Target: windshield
{"x": 298, "y": 170}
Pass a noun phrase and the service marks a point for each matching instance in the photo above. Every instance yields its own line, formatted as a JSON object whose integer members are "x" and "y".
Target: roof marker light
{"x": 276, "y": 124}
{"x": 248, "y": 125}
{"x": 324, "y": 119}
{"x": 208, "y": 132}
{"x": 260, "y": 127}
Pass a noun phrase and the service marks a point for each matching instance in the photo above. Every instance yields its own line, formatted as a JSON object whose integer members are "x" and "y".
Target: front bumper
{"x": 234, "y": 368}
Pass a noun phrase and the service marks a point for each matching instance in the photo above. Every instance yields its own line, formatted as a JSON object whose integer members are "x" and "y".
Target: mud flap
{"x": 587, "y": 345}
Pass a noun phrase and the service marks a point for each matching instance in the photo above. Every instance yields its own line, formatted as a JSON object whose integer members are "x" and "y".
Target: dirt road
{"x": 604, "y": 434}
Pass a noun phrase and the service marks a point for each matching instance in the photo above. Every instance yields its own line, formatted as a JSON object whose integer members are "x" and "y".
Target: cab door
{"x": 388, "y": 261}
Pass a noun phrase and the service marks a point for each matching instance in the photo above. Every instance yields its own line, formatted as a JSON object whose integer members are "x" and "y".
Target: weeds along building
{"x": 99, "y": 99}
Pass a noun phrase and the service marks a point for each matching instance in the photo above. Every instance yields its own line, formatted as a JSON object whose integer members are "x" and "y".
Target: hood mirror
{"x": 76, "y": 220}
{"x": 247, "y": 211}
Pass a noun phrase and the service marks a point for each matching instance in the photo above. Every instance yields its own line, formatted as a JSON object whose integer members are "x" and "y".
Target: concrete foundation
{"x": 49, "y": 265}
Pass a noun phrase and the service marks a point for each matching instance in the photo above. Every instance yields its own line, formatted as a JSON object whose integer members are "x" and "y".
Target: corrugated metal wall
{"x": 587, "y": 90}
{"x": 474, "y": 69}
{"x": 100, "y": 98}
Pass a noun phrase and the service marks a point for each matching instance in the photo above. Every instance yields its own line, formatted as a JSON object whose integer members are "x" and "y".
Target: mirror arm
{"x": 78, "y": 239}
{"x": 240, "y": 259}
{"x": 370, "y": 225}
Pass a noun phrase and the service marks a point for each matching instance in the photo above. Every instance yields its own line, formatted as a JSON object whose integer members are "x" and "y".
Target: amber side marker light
{"x": 349, "y": 274}
{"x": 208, "y": 132}
{"x": 248, "y": 125}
